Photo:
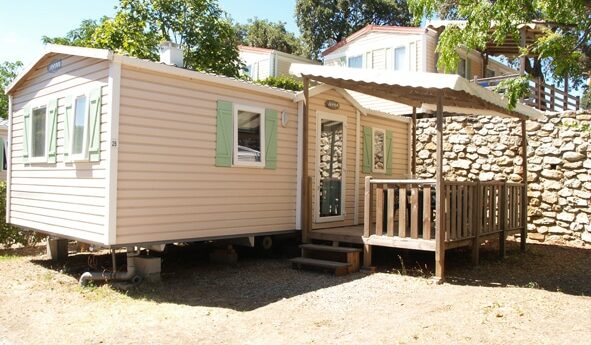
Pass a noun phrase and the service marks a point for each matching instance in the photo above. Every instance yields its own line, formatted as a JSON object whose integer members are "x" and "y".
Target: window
{"x": 489, "y": 73}
{"x": 379, "y": 139}
{"x": 79, "y": 142}
{"x": 38, "y": 132}
{"x": 400, "y": 59}
{"x": 355, "y": 61}
{"x": 249, "y": 134}
{"x": 462, "y": 68}
{"x": 3, "y": 147}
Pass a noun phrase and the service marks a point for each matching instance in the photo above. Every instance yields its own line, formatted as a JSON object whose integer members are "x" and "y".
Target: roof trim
{"x": 373, "y": 28}
{"x": 101, "y": 54}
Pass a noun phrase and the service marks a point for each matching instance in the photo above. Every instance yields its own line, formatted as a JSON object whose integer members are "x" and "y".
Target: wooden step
{"x": 311, "y": 246}
{"x": 339, "y": 268}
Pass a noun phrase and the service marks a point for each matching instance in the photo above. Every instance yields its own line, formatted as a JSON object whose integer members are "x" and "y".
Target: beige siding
{"x": 168, "y": 185}
{"x": 64, "y": 198}
{"x": 400, "y": 152}
{"x": 431, "y": 45}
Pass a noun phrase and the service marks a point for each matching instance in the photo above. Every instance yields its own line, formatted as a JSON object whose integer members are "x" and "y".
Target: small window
{"x": 249, "y": 136}
{"x": 462, "y": 68}
{"x": 79, "y": 142}
{"x": 355, "y": 61}
{"x": 4, "y": 148}
{"x": 400, "y": 59}
{"x": 379, "y": 139}
{"x": 38, "y": 132}
{"x": 489, "y": 73}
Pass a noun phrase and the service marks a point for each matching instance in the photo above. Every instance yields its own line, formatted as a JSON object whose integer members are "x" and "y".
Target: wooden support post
{"x": 440, "y": 230}
{"x": 306, "y": 182}
{"x": 476, "y": 224}
{"x": 503, "y": 220}
{"x": 565, "y": 99}
{"x": 552, "y": 97}
{"x": 413, "y": 167}
{"x": 367, "y": 252}
{"x": 367, "y": 208}
{"x": 524, "y": 200}
{"x": 522, "y": 42}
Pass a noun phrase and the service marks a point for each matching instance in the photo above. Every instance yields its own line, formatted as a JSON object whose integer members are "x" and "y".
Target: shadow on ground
{"x": 257, "y": 280}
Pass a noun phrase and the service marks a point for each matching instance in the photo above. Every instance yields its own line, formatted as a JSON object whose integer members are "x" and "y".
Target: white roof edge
{"x": 102, "y": 54}
{"x": 213, "y": 78}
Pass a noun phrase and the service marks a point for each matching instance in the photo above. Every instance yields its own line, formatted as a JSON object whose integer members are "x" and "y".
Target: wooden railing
{"x": 403, "y": 208}
{"x": 406, "y": 209}
{"x": 542, "y": 96}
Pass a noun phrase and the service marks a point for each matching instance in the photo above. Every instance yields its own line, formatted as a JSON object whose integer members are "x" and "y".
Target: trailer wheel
{"x": 265, "y": 243}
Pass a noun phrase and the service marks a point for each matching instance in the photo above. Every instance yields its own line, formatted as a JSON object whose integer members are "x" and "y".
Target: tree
{"x": 562, "y": 51}
{"x": 200, "y": 27}
{"x": 326, "y": 22}
{"x": 265, "y": 34}
{"x": 8, "y": 71}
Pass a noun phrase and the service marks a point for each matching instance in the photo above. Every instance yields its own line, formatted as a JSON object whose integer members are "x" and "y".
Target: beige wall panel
{"x": 168, "y": 185}
{"x": 63, "y": 198}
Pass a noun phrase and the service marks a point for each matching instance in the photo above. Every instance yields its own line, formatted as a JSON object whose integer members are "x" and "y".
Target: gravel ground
{"x": 540, "y": 297}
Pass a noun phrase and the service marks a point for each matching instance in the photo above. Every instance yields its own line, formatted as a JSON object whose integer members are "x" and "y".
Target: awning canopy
{"x": 417, "y": 89}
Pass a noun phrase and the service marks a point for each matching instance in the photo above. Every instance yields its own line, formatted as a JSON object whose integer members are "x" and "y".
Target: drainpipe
{"x": 129, "y": 275}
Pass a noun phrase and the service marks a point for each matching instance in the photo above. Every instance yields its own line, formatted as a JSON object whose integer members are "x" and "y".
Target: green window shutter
{"x": 468, "y": 68}
{"x": 68, "y": 118}
{"x": 52, "y": 131}
{"x": 388, "y": 158}
{"x": 224, "y": 134}
{"x": 94, "y": 125}
{"x": 271, "y": 119}
{"x": 26, "y": 134}
{"x": 367, "y": 149}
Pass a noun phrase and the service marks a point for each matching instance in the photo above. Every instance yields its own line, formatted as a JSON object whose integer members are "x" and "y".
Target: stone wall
{"x": 558, "y": 160}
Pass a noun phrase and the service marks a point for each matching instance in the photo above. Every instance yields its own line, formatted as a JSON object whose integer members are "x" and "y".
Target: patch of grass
{"x": 8, "y": 257}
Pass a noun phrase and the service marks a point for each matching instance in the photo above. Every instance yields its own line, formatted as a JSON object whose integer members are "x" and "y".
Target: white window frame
{"x": 334, "y": 117}
{"x": 353, "y": 57}
{"x": 261, "y": 111}
{"x": 404, "y": 59}
{"x": 83, "y": 156}
{"x": 373, "y": 150}
{"x": 39, "y": 159}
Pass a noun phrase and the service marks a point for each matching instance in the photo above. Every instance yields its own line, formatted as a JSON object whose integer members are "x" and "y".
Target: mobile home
{"x": 120, "y": 152}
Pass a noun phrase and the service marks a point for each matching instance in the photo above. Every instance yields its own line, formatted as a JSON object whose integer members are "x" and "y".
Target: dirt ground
{"x": 540, "y": 297}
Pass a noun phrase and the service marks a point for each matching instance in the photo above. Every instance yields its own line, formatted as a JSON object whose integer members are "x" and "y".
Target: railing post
{"x": 565, "y": 96}
{"x": 367, "y": 250}
{"x": 477, "y": 223}
{"x": 367, "y": 207}
{"x": 552, "y": 97}
{"x": 524, "y": 200}
{"x": 503, "y": 215}
{"x": 539, "y": 91}
{"x": 577, "y": 102}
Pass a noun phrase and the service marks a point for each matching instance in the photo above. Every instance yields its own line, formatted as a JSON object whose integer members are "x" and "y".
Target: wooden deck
{"x": 354, "y": 234}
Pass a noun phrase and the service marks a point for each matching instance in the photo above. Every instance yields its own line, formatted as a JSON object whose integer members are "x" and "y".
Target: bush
{"x": 283, "y": 82}
{"x": 10, "y": 234}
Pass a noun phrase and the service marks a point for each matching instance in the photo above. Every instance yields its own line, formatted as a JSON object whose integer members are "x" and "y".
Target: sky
{"x": 24, "y": 22}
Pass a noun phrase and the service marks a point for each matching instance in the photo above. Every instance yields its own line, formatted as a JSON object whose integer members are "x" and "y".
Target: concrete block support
{"x": 57, "y": 249}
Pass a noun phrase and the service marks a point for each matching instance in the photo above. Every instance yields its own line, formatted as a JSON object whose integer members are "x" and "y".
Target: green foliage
{"x": 200, "y": 27}
{"x": 326, "y": 22}
{"x": 9, "y": 234}
{"x": 8, "y": 71}
{"x": 562, "y": 51}
{"x": 265, "y": 34}
{"x": 283, "y": 82}
{"x": 586, "y": 99}
{"x": 514, "y": 89}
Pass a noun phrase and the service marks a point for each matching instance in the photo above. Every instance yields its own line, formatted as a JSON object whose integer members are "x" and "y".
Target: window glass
{"x": 4, "y": 163}
{"x": 355, "y": 61}
{"x": 378, "y": 150}
{"x": 38, "y": 121}
{"x": 400, "y": 59}
{"x": 249, "y": 136}
{"x": 331, "y": 146}
{"x": 489, "y": 73}
{"x": 462, "y": 68}
{"x": 79, "y": 125}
